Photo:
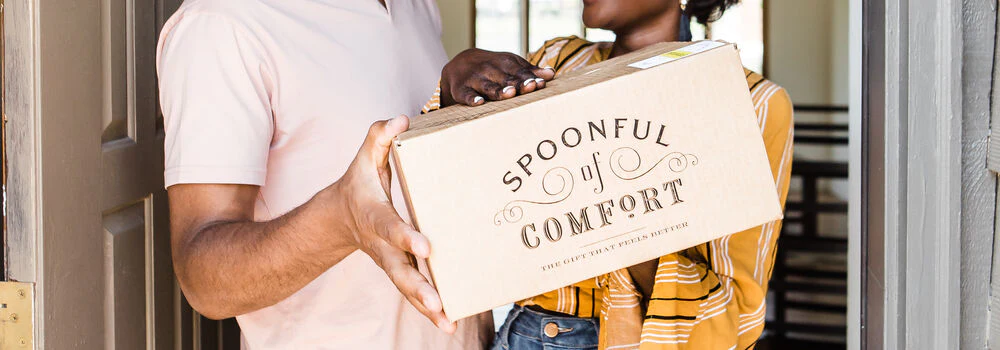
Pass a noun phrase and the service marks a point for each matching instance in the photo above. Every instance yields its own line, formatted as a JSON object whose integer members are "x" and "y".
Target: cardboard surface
{"x": 605, "y": 168}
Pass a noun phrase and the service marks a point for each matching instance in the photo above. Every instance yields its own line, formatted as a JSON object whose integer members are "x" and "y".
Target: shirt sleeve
{"x": 713, "y": 296}
{"x": 435, "y": 102}
{"x": 215, "y": 97}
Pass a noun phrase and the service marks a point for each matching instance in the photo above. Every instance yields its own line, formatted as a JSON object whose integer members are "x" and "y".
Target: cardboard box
{"x": 612, "y": 165}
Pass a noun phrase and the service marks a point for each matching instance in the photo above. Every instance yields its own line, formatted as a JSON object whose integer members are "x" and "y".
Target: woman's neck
{"x": 661, "y": 28}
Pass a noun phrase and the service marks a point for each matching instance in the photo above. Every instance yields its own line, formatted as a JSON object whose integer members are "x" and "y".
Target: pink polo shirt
{"x": 280, "y": 94}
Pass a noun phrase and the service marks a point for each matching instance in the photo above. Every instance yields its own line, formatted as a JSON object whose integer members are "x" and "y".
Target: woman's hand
{"x": 475, "y": 76}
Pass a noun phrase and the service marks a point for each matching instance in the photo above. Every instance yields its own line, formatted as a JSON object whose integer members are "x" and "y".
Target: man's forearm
{"x": 232, "y": 268}
{"x": 229, "y": 265}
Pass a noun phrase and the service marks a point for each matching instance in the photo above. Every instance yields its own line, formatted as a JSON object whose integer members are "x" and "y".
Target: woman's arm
{"x": 713, "y": 296}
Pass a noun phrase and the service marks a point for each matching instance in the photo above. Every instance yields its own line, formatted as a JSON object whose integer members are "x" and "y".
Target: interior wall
{"x": 798, "y": 48}
{"x": 839, "y": 56}
{"x": 807, "y": 53}
{"x": 458, "y": 23}
{"x": 840, "y": 81}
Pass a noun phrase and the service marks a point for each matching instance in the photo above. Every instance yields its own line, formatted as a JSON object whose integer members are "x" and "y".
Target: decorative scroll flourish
{"x": 557, "y": 183}
{"x": 626, "y": 163}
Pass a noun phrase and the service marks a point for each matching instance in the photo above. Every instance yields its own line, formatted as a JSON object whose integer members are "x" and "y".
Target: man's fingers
{"x": 413, "y": 285}
{"x": 436, "y": 316}
{"x": 380, "y": 136}
{"x": 381, "y": 133}
{"x": 390, "y": 227}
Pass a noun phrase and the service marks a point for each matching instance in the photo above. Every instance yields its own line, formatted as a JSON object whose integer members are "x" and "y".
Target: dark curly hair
{"x": 705, "y": 11}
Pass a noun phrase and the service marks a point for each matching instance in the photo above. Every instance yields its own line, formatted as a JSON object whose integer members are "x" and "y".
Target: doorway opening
{"x": 802, "y": 46}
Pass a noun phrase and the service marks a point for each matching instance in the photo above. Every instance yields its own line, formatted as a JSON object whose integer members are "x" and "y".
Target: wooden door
{"x": 88, "y": 212}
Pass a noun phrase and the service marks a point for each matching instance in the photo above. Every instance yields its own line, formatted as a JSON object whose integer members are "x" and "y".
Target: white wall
{"x": 839, "y": 54}
{"x": 458, "y": 22}
{"x": 840, "y": 79}
{"x": 808, "y": 53}
{"x": 799, "y": 48}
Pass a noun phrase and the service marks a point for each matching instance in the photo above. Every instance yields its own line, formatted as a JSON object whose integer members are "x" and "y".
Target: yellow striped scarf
{"x": 711, "y": 296}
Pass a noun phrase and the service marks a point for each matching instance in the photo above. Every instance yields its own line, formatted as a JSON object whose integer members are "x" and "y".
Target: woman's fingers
{"x": 491, "y": 87}
{"x": 497, "y": 84}
{"x": 544, "y": 75}
{"x": 529, "y": 81}
{"x": 517, "y": 73}
{"x": 476, "y": 76}
{"x": 468, "y": 96}
{"x": 526, "y": 71}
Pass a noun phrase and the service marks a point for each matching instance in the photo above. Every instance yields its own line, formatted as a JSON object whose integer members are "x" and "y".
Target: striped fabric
{"x": 711, "y": 296}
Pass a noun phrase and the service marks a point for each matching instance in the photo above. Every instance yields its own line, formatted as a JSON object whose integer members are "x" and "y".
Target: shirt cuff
{"x": 214, "y": 175}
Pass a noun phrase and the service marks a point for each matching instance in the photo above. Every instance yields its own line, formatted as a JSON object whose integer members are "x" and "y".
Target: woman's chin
{"x": 594, "y": 21}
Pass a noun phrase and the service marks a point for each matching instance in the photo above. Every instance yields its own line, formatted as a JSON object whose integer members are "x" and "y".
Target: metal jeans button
{"x": 551, "y": 329}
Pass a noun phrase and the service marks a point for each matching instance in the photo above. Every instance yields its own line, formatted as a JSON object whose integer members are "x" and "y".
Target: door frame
{"x": 923, "y": 184}
{"x": 26, "y": 223}
{"x": 894, "y": 223}
{"x": 20, "y": 107}
{"x": 20, "y": 112}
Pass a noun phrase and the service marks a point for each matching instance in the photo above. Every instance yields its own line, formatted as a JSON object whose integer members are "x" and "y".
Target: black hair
{"x": 705, "y": 11}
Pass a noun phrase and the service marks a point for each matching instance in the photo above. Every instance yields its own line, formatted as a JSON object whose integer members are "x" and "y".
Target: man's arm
{"x": 229, "y": 265}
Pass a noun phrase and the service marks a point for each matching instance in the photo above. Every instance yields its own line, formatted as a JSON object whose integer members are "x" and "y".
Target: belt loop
{"x": 509, "y": 322}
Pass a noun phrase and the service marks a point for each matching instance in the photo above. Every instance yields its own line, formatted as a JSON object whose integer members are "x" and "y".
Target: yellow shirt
{"x": 711, "y": 296}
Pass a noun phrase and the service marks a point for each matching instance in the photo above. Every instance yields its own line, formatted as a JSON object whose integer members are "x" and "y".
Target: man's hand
{"x": 475, "y": 76}
{"x": 378, "y": 229}
{"x": 228, "y": 264}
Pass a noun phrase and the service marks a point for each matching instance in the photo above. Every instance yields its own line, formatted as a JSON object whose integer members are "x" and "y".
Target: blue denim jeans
{"x": 525, "y": 328}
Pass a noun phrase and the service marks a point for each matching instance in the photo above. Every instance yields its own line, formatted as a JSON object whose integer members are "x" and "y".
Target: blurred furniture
{"x": 221, "y": 334}
{"x": 808, "y": 289}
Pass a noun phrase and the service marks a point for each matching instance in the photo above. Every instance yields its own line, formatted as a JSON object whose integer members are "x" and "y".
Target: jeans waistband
{"x": 571, "y": 330}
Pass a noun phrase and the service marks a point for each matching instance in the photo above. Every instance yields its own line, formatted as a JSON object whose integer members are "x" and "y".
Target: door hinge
{"x": 17, "y": 305}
